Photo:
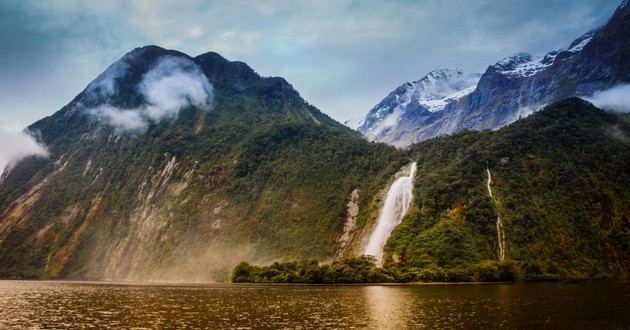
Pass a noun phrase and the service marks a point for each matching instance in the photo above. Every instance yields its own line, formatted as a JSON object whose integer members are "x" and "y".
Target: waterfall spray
{"x": 396, "y": 205}
{"x": 499, "y": 225}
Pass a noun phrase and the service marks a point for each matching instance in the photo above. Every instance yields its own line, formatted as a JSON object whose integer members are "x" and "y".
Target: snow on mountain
{"x": 354, "y": 123}
{"x": 523, "y": 65}
{"x": 448, "y": 101}
{"x": 430, "y": 94}
{"x": 442, "y": 86}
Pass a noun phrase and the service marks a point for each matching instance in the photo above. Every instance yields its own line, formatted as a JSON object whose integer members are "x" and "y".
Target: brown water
{"x": 76, "y": 305}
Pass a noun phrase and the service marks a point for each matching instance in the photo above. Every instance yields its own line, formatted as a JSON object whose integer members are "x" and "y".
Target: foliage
{"x": 561, "y": 178}
{"x": 363, "y": 269}
{"x": 260, "y": 168}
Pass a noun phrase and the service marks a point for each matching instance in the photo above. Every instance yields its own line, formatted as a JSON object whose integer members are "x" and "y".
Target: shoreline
{"x": 227, "y": 284}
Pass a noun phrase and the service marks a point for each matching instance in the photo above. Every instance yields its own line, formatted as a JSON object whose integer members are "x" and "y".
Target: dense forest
{"x": 260, "y": 175}
{"x": 561, "y": 182}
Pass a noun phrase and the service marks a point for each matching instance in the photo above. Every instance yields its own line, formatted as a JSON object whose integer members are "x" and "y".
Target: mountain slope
{"x": 170, "y": 167}
{"x": 560, "y": 181}
{"x": 518, "y": 85}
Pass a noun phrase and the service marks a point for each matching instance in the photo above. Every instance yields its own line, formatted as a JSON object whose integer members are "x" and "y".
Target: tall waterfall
{"x": 396, "y": 206}
{"x": 499, "y": 225}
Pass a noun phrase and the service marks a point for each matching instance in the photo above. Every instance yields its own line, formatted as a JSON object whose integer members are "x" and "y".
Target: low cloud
{"x": 104, "y": 85}
{"x": 15, "y": 145}
{"x": 171, "y": 85}
{"x": 616, "y": 98}
{"x": 123, "y": 120}
{"x": 174, "y": 83}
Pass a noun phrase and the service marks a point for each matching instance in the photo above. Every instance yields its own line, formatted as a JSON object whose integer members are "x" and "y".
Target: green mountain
{"x": 561, "y": 185}
{"x": 168, "y": 167}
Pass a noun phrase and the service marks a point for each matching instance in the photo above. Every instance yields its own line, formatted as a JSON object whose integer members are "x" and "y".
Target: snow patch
{"x": 523, "y": 65}
{"x": 440, "y": 87}
{"x": 579, "y": 44}
{"x": 432, "y": 93}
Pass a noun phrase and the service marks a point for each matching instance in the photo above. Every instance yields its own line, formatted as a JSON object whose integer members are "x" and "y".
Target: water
{"x": 394, "y": 209}
{"x": 75, "y": 305}
{"x": 499, "y": 224}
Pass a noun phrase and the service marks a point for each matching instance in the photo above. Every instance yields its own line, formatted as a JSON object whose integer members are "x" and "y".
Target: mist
{"x": 616, "y": 98}
{"x": 173, "y": 84}
{"x": 15, "y": 145}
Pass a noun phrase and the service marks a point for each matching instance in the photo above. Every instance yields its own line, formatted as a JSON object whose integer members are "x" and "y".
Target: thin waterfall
{"x": 396, "y": 205}
{"x": 500, "y": 232}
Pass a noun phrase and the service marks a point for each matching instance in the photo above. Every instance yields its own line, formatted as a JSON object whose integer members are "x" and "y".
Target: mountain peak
{"x": 443, "y": 73}
{"x": 512, "y": 88}
{"x": 442, "y": 86}
{"x": 426, "y": 96}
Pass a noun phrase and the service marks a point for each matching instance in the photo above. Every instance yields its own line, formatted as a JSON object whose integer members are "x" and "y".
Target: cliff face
{"x": 169, "y": 167}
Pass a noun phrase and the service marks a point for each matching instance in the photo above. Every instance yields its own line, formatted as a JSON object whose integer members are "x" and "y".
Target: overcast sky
{"x": 343, "y": 56}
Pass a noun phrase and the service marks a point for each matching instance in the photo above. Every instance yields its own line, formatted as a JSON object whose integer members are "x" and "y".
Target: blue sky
{"x": 343, "y": 56}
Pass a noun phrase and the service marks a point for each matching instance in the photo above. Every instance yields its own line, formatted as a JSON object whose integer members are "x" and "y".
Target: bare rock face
{"x": 352, "y": 211}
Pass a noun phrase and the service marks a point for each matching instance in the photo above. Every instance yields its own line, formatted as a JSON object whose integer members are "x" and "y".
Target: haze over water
{"x": 76, "y": 305}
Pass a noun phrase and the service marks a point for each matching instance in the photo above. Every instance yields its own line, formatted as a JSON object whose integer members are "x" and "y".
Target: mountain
{"x": 169, "y": 167}
{"x": 512, "y": 88}
{"x": 425, "y": 98}
{"x": 560, "y": 182}
{"x": 542, "y": 199}
{"x": 353, "y": 123}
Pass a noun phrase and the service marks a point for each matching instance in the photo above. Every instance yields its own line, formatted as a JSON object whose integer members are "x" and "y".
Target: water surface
{"x": 81, "y": 305}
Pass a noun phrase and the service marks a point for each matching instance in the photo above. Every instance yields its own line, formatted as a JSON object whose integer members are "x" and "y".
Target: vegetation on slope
{"x": 262, "y": 176}
{"x": 562, "y": 181}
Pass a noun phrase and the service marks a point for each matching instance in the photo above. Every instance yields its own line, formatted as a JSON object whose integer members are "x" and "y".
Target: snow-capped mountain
{"x": 423, "y": 97}
{"x": 448, "y": 101}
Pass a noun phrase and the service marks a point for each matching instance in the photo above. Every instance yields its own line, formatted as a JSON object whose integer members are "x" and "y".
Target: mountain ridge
{"x": 518, "y": 85}
{"x": 425, "y": 97}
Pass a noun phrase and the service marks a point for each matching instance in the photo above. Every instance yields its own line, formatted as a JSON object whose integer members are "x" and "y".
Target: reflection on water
{"x": 388, "y": 306}
{"x": 74, "y": 305}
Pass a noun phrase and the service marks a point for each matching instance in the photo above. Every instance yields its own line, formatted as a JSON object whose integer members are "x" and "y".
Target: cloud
{"x": 16, "y": 145}
{"x": 123, "y": 120}
{"x": 365, "y": 48}
{"x": 174, "y": 83}
{"x": 104, "y": 85}
{"x": 616, "y": 98}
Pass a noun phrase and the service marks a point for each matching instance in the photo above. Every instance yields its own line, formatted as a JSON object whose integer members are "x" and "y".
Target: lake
{"x": 87, "y": 305}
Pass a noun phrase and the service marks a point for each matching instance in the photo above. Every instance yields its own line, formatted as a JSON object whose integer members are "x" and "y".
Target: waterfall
{"x": 396, "y": 206}
{"x": 499, "y": 225}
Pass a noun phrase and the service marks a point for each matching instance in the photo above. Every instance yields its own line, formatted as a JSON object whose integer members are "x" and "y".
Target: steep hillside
{"x": 169, "y": 167}
{"x": 513, "y": 87}
{"x": 560, "y": 183}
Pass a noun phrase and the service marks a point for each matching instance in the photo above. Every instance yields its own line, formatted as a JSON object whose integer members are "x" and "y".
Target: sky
{"x": 343, "y": 56}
